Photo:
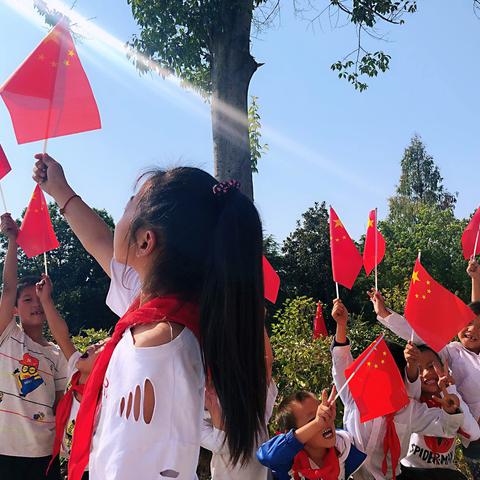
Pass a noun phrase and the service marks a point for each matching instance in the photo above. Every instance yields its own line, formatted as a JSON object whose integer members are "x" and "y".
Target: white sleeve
{"x": 8, "y": 330}
{"x": 434, "y": 422}
{"x": 469, "y": 426}
{"x": 343, "y": 444}
{"x": 414, "y": 389}
{"x": 400, "y": 327}
{"x": 341, "y": 359}
{"x": 211, "y": 438}
{"x": 124, "y": 287}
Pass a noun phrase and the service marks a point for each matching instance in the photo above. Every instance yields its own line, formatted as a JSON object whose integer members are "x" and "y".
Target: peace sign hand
{"x": 445, "y": 379}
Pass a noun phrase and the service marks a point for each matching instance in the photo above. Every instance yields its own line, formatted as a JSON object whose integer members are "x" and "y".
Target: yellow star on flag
{"x": 66, "y": 63}
{"x": 370, "y": 223}
{"x": 71, "y": 53}
{"x": 338, "y": 223}
{"x": 415, "y": 277}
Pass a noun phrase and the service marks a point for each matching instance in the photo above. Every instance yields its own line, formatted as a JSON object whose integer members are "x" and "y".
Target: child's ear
{"x": 146, "y": 242}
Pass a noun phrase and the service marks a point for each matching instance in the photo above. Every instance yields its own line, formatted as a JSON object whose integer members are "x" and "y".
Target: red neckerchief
{"x": 160, "y": 309}
{"x": 329, "y": 471}
{"x": 392, "y": 443}
{"x": 436, "y": 444}
{"x": 62, "y": 414}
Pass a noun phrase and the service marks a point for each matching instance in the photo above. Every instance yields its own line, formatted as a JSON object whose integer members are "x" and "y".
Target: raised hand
{"x": 9, "y": 227}
{"x": 473, "y": 269}
{"x": 339, "y": 312}
{"x": 445, "y": 379}
{"x": 44, "y": 289}
{"x": 378, "y": 303}
{"x": 50, "y": 176}
{"x": 327, "y": 410}
{"x": 412, "y": 356}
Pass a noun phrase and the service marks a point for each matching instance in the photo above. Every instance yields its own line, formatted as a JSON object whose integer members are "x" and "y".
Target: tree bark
{"x": 232, "y": 70}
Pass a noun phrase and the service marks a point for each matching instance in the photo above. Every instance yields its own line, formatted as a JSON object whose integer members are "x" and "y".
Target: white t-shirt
{"x": 70, "y": 426}
{"x": 170, "y": 443}
{"x": 213, "y": 440}
{"x": 124, "y": 445}
{"x": 30, "y": 375}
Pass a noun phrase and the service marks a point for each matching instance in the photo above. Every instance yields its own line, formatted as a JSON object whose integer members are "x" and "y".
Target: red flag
{"x": 319, "y": 327}
{"x": 271, "y": 281}
{"x": 435, "y": 314}
{"x": 370, "y": 259}
{"x": 49, "y": 94}
{"x": 470, "y": 244}
{"x": 346, "y": 261}
{"x": 377, "y": 385}
{"x": 36, "y": 234}
{"x": 4, "y": 165}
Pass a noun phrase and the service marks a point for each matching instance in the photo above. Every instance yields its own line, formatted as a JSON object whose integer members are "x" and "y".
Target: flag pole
{"x": 337, "y": 290}
{"x": 45, "y": 144}
{"x": 474, "y": 248}
{"x": 376, "y": 252}
{"x": 5, "y": 205}
{"x": 359, "y": 365}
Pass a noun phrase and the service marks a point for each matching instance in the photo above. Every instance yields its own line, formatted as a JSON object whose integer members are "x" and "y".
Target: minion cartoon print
{"x": 28, "y": 378}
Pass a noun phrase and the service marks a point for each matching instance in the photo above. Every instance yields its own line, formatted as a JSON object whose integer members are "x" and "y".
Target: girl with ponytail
{"x": 196, "y": 246}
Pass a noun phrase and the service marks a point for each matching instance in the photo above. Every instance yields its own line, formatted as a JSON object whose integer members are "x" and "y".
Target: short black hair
{"x": 25, "y": 282}
{"x": 426, "y": 348}
{"x": 398, "y": 355}
{"x": 475, "y": 307}
{"x": 285, "y": 419}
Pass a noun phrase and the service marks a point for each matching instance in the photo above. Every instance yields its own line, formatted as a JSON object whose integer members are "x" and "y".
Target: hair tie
{"x": 223, "y": 188}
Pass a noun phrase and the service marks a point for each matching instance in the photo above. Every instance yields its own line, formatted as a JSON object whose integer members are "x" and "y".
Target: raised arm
{"x": 473, "y": 271}
{"x": 91, "y": 230}
{"x": 9, "y": 290}
{"x": 58, "y": 326}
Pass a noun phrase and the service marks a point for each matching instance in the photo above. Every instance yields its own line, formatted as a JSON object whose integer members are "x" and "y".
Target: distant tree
{"x": 420, "y": 180}
{"x": 80, "y": 285}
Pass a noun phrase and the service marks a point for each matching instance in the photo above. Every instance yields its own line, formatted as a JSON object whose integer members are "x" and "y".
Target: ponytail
{"x": 232, "y": 323}
{"x": 211, "y": 252}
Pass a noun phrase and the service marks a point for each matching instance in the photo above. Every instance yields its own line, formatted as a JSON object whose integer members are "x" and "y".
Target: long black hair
{"x": 210, "y": 251}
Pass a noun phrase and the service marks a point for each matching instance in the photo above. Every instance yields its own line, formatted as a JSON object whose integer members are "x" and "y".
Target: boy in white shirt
{"x": 369, "y": 437}
{"x": 33, "y": 376}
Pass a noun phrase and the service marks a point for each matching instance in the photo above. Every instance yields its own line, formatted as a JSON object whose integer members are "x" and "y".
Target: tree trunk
{"x": 232, "y": 70}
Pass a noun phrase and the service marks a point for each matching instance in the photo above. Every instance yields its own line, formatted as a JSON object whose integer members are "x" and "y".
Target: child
{"x": 433, "y": 457}
{"x": 385, "y": 439}
{"x": 79, "y": 367}
{"x": 33, "y": 375}
{"x": 213, "y": 436}
{"x": 197, "y": 248}
{"x": 311, "y": 448}
{"x": 463, "y": 358}
{"x": 473, "y": 271}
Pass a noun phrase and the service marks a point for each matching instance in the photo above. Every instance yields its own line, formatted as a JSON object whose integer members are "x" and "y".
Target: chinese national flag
{"x": 435, "y": 314}
{"x": 4, "y": 165}
{"x": 370, "y": 260}
{"x": 271, "y": 281}
{"x": 377, "y": 386}
{"x": 319, "y": 327}
{"x": 346, "y": 261}
{"x": 36, "y": 234}
{"x": 49, "y": 94}
{"x": 469, "y": 236}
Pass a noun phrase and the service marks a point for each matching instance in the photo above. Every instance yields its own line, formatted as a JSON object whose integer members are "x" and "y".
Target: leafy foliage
{"x": 80, "y": 285}
{"x": 257, "y": 149}
{"x": 89, "y": 336}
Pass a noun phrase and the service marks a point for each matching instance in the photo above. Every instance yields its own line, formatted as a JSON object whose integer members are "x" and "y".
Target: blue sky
{"x": 327, "y": 141}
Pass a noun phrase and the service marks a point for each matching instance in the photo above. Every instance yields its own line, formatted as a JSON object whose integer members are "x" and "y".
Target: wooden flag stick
{"x": 45, "y": 264}
{"x": 476, "y": 241}
{"x": 359, "y": 365}
{"x": 3, "y": 199}
{"x": 376, "y": 252}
